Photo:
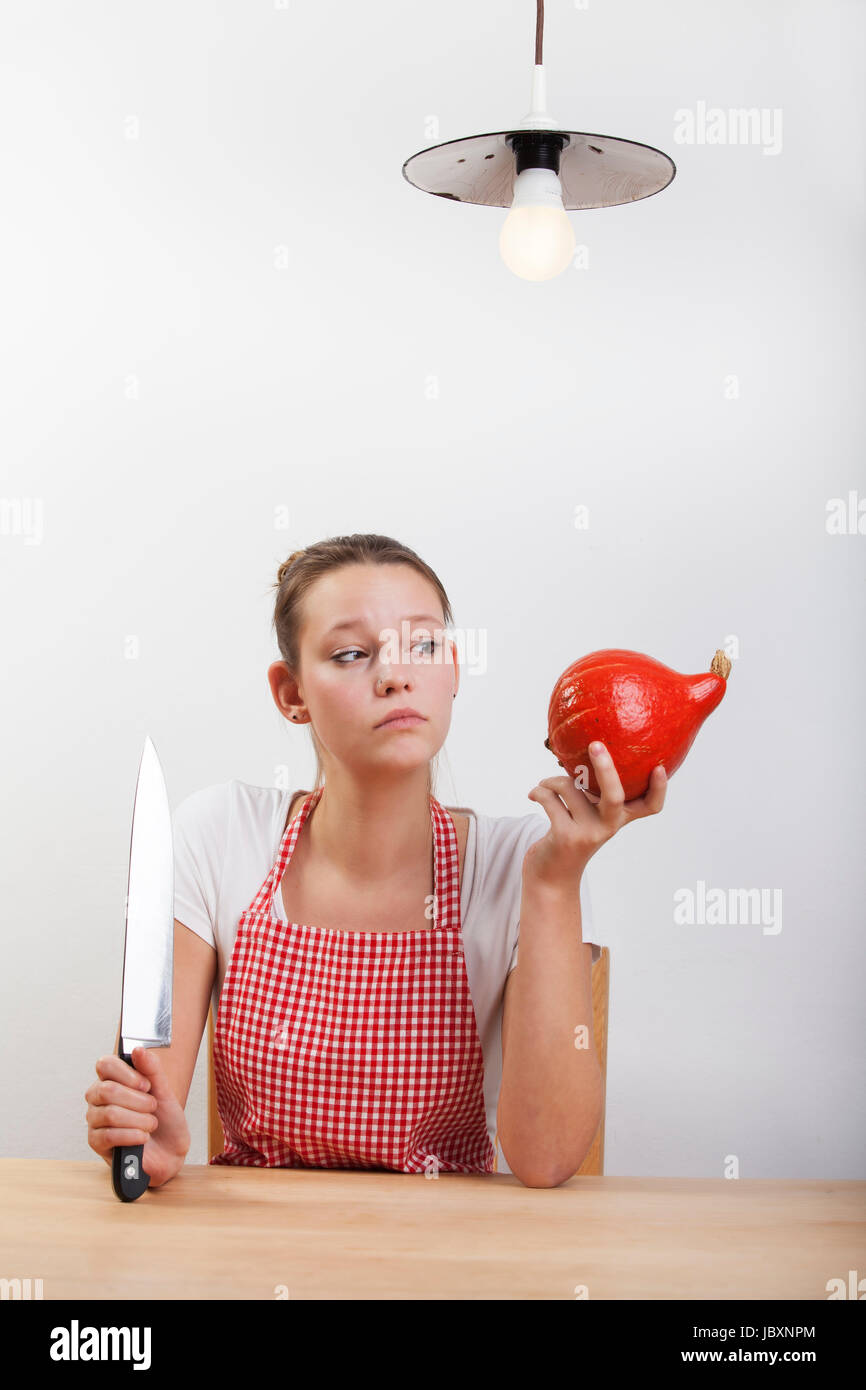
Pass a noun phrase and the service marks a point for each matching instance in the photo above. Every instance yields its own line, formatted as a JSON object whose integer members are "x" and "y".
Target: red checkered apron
{"x": 351, "y": 1049}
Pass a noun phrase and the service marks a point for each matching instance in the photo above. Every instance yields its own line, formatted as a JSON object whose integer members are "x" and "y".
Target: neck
{"x": 373, "y": 833}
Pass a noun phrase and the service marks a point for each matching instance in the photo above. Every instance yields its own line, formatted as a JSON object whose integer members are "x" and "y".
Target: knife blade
{"x": 148, "y": 951}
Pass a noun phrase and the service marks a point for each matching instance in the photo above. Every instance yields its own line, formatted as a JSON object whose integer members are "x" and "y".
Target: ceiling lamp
{"x": 540, "y": 172}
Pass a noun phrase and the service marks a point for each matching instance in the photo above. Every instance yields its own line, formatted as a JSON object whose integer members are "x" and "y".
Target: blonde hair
{"x": 297, "y": 575}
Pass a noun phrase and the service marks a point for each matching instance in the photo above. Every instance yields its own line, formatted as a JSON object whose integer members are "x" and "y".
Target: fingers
{"x": 148, "y": 1061}
{"x": 106, "y": 1121}
{"x": 550, "y": 793}
{"x": 106, "y": 1093}
{"x": 612, "y": 802}
{"x": 119, "y": 1110}
{"x": 102, "y": 1141}
{"x": 113, "y": 1068}
{"x": 653, "y": 799}
{"x": 612, "y": 796}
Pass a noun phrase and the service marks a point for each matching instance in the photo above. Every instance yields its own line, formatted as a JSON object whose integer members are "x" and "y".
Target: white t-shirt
{"x": 226, "y": 839}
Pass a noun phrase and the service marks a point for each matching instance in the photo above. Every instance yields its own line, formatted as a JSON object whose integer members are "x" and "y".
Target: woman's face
{"x": 391, "y": 652}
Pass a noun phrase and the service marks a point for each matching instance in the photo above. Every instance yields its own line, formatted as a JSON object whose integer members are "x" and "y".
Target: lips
{"x": 397, "y": 714}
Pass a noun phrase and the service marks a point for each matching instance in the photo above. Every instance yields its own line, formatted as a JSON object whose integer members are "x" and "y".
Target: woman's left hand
{"x": 585, "y": 822}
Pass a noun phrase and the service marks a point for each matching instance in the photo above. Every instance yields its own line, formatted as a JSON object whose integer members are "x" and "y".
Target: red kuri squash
{"x": 643, "y": 712}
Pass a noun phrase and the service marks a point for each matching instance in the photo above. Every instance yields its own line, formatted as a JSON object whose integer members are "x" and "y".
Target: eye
{"x": 422, "y": 642}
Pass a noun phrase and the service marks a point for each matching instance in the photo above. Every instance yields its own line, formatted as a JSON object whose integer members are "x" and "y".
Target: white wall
{"x": 167, "y": 390}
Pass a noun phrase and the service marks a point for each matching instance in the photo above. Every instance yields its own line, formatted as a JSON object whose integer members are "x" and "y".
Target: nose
{"x": 388, "y": 681}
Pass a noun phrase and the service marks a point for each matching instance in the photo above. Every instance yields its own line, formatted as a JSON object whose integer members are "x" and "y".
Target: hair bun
{"x": 287, "y": 565}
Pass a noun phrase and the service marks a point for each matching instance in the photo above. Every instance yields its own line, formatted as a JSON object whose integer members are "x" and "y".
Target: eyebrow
{"x": 358, "y": 622}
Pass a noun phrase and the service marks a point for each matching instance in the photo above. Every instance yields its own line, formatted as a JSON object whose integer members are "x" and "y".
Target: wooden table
{"x": 252, "y": 1233}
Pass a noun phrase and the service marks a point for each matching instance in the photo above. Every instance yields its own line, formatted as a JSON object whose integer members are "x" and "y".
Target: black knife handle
{"x": 128, "y": 1177}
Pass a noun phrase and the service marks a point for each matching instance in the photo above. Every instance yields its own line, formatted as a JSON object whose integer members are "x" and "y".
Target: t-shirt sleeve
{"x": 199, "y": 837}
{"x": 535, "y": 832}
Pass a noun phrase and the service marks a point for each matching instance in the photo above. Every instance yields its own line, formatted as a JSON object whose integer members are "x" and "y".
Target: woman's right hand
{"x": 136, "y": 1105}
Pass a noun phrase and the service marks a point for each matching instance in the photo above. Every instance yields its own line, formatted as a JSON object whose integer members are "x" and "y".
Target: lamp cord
{"x": 539, "y": 31}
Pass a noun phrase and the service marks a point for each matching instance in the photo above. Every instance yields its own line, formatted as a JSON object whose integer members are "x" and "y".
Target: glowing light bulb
{"x": 537, "y": 238}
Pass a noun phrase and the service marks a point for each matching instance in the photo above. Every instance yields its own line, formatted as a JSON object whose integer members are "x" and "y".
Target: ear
{"x": 286, "y": 692}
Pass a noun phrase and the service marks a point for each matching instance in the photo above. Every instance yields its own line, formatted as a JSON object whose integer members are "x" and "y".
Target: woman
{"x": 357, "y": 1024}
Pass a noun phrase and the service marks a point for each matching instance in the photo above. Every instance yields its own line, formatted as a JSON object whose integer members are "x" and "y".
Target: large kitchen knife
{"x": 148, "y": 953}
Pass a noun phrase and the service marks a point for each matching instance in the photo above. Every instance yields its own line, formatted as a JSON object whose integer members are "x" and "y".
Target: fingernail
{"x": 596, "y": 749}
